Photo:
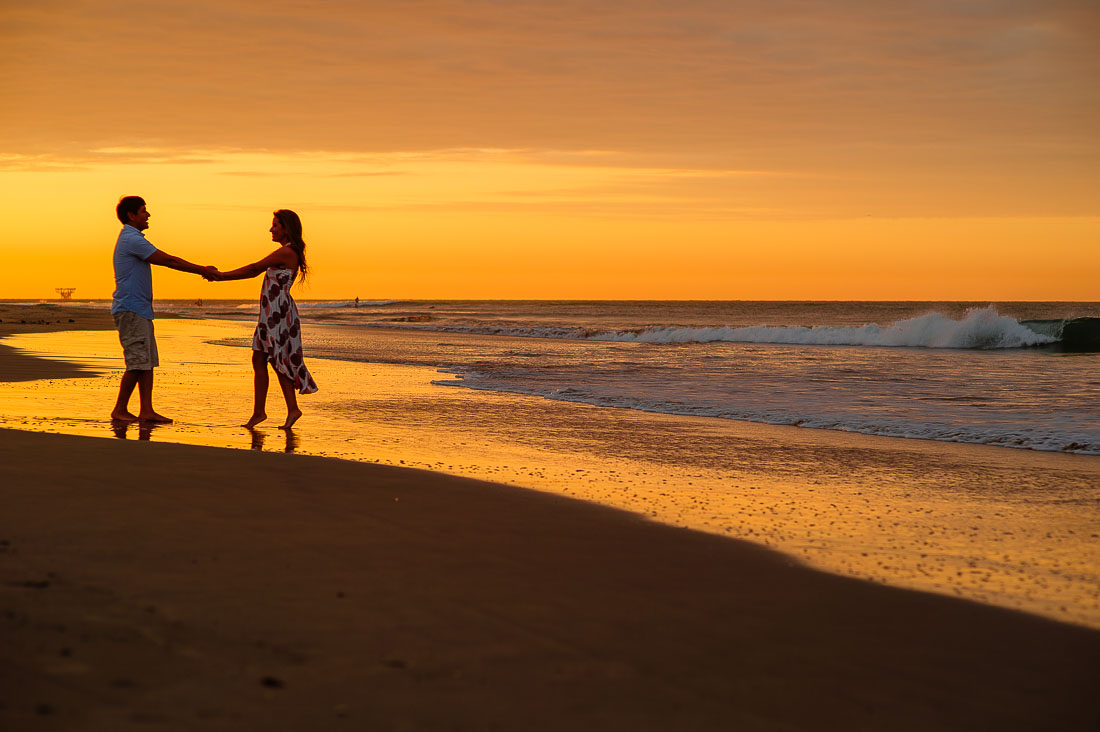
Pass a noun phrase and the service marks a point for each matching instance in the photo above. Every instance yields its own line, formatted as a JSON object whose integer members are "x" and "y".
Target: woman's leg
{"x": 292, "y": 411}
{"x": 259, "y": 373}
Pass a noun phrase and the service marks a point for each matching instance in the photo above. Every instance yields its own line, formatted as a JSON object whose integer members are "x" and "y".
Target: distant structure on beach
{"x": 65, "y": 292}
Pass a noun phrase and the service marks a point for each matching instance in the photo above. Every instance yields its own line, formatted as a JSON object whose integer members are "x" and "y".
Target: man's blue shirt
{"x": 133, "y": 274}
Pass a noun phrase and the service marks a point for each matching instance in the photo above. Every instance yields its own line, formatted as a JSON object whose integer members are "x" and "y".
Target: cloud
{"x": 642, "y": 75}
{"x": 994, "y": 93}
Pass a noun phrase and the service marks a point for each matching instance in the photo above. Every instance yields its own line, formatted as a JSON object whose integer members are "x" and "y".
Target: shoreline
{"x": 16, "y": 365}
{"x": 95, "y": 318}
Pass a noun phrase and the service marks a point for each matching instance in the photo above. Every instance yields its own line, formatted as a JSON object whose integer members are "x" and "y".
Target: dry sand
{"x": 44, "y": 318}
{"x": 175, "y": 587}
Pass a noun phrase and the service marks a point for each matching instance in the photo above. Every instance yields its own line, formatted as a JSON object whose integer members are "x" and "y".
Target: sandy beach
{"x": 45, "y": 318}
{"x": 149, "y": 584}
{"x": 672, "y": 367}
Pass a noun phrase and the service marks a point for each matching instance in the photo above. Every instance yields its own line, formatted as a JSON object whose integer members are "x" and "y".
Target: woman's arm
{"x": 282, "y": 257}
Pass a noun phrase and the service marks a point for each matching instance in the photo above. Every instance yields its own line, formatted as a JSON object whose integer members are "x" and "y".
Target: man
{"x": 132, "y": 307}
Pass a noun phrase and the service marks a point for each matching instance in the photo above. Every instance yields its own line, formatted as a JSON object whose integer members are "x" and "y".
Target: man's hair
{"x": 128, "y": 205}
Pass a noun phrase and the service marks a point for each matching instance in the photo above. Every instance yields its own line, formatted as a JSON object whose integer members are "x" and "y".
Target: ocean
{"x": 1003, "y": 374}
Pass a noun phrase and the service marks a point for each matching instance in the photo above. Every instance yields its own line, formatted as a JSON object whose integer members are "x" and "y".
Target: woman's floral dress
{"x": 279, "y": 332}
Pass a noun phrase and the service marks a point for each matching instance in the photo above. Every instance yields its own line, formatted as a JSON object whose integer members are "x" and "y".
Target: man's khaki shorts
{"x": 139, "y": 346}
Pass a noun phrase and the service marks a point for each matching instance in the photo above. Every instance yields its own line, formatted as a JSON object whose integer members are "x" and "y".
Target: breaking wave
{"x": 982, "y": 328}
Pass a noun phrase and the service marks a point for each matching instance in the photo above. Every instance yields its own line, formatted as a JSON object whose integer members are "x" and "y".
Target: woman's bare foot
{"x": 255, "y": 420}
{"x": 154, "y": 417}
{"x": 123, "y": 416}
{"x": 291, "y": 418}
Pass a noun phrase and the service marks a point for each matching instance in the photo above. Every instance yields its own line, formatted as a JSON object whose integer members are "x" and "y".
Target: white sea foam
{"x": 982, "y": 328}
{"x": 823, "y": 412}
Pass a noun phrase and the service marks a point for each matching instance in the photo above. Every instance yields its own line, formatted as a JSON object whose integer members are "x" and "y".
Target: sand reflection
{"x": 289, "y": 443}
{"x": 129, "y": 430}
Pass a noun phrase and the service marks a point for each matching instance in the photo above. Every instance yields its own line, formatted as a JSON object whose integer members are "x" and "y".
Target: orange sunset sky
{"x": 850, "y": 149}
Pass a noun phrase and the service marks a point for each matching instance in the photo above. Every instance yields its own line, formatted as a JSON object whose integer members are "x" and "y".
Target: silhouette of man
{"x": 132, "y": 307}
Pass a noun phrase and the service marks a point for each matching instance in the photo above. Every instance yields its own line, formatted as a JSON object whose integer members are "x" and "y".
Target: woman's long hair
{"x": 292, "y": 225}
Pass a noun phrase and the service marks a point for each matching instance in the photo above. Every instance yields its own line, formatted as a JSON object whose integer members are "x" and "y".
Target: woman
{"x": 278, "y": 338}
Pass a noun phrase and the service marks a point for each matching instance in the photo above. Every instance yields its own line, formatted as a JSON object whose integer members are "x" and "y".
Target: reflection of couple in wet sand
{"x": 278, "y": 337}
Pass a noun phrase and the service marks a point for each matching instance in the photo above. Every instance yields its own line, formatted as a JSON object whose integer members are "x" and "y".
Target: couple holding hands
{"x": 278, "y": 337}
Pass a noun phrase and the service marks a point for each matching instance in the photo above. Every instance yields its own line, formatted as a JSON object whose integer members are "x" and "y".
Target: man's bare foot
{"x": 154, "y": 417}
{"x": 255, "y": 420}
{"x": 291, "y": 418}
{"x": 123, "y": 416}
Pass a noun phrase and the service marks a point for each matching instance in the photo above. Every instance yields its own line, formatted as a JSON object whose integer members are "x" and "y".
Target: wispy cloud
{"x": 640, "y": 76}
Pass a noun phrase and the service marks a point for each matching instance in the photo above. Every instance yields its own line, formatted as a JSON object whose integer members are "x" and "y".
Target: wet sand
{"x": 188, "y": 587}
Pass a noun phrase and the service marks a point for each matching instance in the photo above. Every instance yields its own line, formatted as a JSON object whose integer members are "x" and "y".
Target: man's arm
{"x": 164, "y": 259}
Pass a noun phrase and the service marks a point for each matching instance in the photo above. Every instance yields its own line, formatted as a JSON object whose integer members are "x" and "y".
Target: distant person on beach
{"x": 278, "y": 337}
{"x": 132, "y": 307}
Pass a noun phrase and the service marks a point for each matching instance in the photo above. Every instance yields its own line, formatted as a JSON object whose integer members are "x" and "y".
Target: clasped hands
{"x": 211, "y": 274}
